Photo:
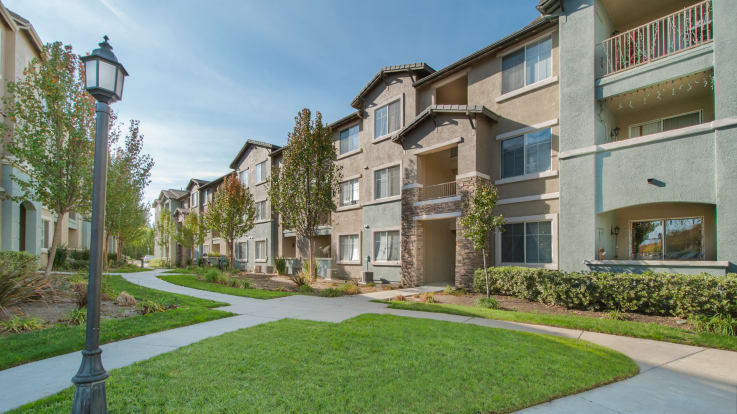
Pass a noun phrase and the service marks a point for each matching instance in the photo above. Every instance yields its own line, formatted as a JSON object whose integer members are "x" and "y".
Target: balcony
{"x": 436, "y": 191}
{"x": 675, "y": 33}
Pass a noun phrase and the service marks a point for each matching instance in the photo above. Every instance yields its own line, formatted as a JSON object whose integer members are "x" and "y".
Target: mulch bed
{"x": 275, "y": 282}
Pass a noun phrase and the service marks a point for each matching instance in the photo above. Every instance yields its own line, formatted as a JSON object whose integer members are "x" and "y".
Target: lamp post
{"x": 104, "y": 78}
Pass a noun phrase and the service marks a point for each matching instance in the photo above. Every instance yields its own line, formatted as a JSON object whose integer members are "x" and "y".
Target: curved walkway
{"x": 673, "y": 378}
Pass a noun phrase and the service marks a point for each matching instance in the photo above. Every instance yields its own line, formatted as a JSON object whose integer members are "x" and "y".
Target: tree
{"x": 50, "y": 130}
{"x": 141, "y": 245}
{"x": 302, "y": 188}
{"x": 232, "y": 214}
{"x": 479, "y": 221}
{"x": 191, "y": 233}
{"x": 164, "y": 231}
{"x": 129, "y": 172}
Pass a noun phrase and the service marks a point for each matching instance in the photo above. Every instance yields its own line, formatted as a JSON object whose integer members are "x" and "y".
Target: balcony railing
{"x": 431, "y": 192}
{"x": 679, "y": 31}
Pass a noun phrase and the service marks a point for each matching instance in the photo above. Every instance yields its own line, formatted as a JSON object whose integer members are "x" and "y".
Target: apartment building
{"x": 172, "y": 201}
{"x": 28, "y": 225}
{"x": 607, "y": 126}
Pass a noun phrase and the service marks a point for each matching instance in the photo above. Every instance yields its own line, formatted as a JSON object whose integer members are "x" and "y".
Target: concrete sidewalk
{"x": 673, "y": 378}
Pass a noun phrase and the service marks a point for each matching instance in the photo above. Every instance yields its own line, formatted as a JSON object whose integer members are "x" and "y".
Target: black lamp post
{"x": 104, "y": 77}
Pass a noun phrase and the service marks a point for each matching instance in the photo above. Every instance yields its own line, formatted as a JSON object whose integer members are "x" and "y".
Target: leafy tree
{"x": 142, "y": 244}
{"x": 479, "y": 221}
{"x": 302, "y": 188}
{"x": 231, "y": 214}
{"x": 191, "y": 233}
{"x": 164, "y": 229}
{"x": 50, "y": 128}
{"x": 129, "y": 172}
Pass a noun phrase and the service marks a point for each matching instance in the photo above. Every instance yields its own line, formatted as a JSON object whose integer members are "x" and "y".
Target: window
{"x": 668, "y": 239}
{"x": 261, "y": 210}
{"x": 386, "y": 182}
{"x": 527, "y": 65}
{"x": 193, "y": 202}
{"x": 349, "y": 248}
{"x": 387, "y": 119}
{"x": 243, "y": 178}
{"x": 46, "y": 233}
{"x": 207, "y": 196}
{"x": 261, "y": 172}
{"x": 386, "y": 246}
{"x": 349, "y": 139}
{"x": 665, "y": 124}
{"x": 528, "y": 154}
{"x": 349, "y": 192}
{"x": 260, "y": 249}
{"x": 241, "y": 250}
{"x": 530, "y": 242}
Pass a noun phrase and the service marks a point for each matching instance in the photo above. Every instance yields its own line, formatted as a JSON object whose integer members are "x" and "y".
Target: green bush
{"x": 350, "y": 288}
{"x": 331, "y": 293}
{"x": 17, "y": 324}
{"x": 149, "y": 306}
{"x": 718, "y": 324}
{"x": 17, "y": 263}
{"x": 214, "y": 276}
{"x": 60, "y": 257}
{"x": 305, "y": 289}
{"x": 281, "y": 266}
{"x": 83, "y": 254}
{"x": 647, "y": 293}
{"x": 16, "y": 280}
{"x": 489, "y": 303}
{"x": 77, "y": 316}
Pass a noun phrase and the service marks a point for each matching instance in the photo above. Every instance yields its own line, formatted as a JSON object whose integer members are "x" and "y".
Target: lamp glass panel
{"x": 90, "y": 68}
{"x": 107, "y": 76}
{"x": 119, "y": 83}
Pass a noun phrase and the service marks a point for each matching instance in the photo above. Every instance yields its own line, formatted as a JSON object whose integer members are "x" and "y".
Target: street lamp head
{"x": 104, "y": 74}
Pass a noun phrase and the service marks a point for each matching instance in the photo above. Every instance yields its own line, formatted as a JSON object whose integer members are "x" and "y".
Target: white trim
{"x": 373, "y": 244}
{"x": 525, "y": 130}
{"x": 536, "y": 197}
{"x": 350, "y": 177}
{"x": 383, "y": 200}
{"x": 671, "y": 263}
{"x": 410, "y": 186}
{"x": 360, "y": 249}
{"x": 349, "y": 153}
{"x": 529, "y": 88}
{"x": 553, "y": 218}
{"x": 262, "y": 221}
{"x": 439, "y": 216}
{"x": 373, "y": 181}
{"x": 437, "y": 201}
{"x": 266, "y": 253}
{"x": 472, "y": 174}
{"x": 649, "y": 139}
{"x": 524, "y": 155}
{"x": 400, "y": 98}
{"x": 439, "y": 147}
{"x": 527, "y": 177}
{"x": 260, "y": 183}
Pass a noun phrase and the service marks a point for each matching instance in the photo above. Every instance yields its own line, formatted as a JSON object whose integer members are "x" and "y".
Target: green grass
{"x": 61, "y": 339}
{"x": 182, "y": 271}
{"x": 615, "y": 327}
{"x": 193, "y": 282}
{"x": 371, "y": 363}
{"x": 129, "y": 269}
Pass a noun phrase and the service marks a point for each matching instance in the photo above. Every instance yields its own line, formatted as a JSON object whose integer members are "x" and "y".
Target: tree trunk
{"x": 54, "y": 244}
{"x": 106, "y": 237}
{"x": 192, "y": 253}
{"x": 486, "y": 273}
{"x": 311, "y": 263}
{"x": 229, "y": 251}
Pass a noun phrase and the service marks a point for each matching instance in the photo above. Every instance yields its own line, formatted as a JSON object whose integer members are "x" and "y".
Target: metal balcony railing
{"x": 674, "y": 33}
{"x": 431, "y": 192}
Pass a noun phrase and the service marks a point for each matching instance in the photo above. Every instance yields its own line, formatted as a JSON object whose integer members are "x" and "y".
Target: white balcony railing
{"x": 431, "y": 192}
{"x": 674, "y": 33}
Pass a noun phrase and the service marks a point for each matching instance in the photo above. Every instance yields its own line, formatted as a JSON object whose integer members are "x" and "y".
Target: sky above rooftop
{"x": 206, "y": 76}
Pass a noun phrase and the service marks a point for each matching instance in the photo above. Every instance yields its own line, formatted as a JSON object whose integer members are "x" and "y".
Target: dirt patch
{"x": 282, "y": 283}
{"x": 58, "y": 311}
{"x": 515, "y": 304}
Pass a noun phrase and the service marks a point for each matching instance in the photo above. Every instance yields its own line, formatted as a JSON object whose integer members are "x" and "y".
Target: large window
{"x": 349, "y": 248}
{"x": 349, "y": 192}
{"x": 386, "y": 246}
{"x": 527, "y": 154}
{"x": 261, "y": 210}
{"x": 261, "y": 172}
{"x": 243, "y": 178}
{"x": 665, "y": 124}
{"x": 387, "y": 119}
{"x": 668, "y": 239}
{"x": 260, "y": 247}
{"x": 527, "y": 65}
{"x": 349, "y": 139}
{"x": 530, "y": 243}
{"x": 241, "y": 250}
{"x": 386, "y": 182}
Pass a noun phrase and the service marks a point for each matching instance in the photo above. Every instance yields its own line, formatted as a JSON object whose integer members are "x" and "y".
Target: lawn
{"x": 371, "y": 363}
{"x": 61, "y": 339}
{"x": 192, "y": 282}
{"x": 610, "y": 326}
{"x": 129, "y": 269}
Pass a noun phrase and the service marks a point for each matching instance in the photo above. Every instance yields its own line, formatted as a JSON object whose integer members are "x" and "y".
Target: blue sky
{"x": 207, "y": 75}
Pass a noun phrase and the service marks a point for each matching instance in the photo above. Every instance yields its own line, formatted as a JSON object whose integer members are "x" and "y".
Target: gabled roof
{"x": 172, "y": 194}
{"x": 216, "y": 182}
{"x": 196, "y": 181}
{"x": 22, "y": 23}
{"x": 421, "y": 69}
{"x": 537, "y": 25}
{"x": 445, "y": 109}
{"x": 346, "y": 119}
{"x": 248, "y": 143}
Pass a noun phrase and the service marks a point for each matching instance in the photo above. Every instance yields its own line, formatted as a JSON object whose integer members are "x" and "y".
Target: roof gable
{"x": 445, "y": 109}
{"x": 421, "y": 69}
{"x": 250, "y": 142}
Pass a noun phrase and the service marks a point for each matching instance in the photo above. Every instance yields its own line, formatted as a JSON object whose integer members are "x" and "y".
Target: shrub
{"x": 305, "y": 289}
{"x": 77, "y": 316}
{"x": 60, "y": 258}
{"x": 350, "y": 288}
{"x": 79, "y": 292}
{"x": 428, "y": 297}
{"x": 18, "y": 324}
{"x": 719, "y": 324}
{"x": 281, "y": 266}
{"x": 370, "y": 284}
{"x": 17, "y": 284}
{"x": 489, "y": 303}
{"x": 647, "y": 293}
{"x": 234, "y": 282}
{"x": 616, "y": 315}
{"x": 331, "y": 293}
{"x": 83, "y": 254}
{"x": 214, "y": 276}
{"x": 125, "y": 299}
{"x": 149, "y": 306}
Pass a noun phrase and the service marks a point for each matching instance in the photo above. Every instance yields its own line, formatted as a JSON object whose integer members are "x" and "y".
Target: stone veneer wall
{"x": 467, "y": 260}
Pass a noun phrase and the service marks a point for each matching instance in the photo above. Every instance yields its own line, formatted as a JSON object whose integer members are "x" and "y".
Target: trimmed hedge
{"x": 647, "y": 293}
